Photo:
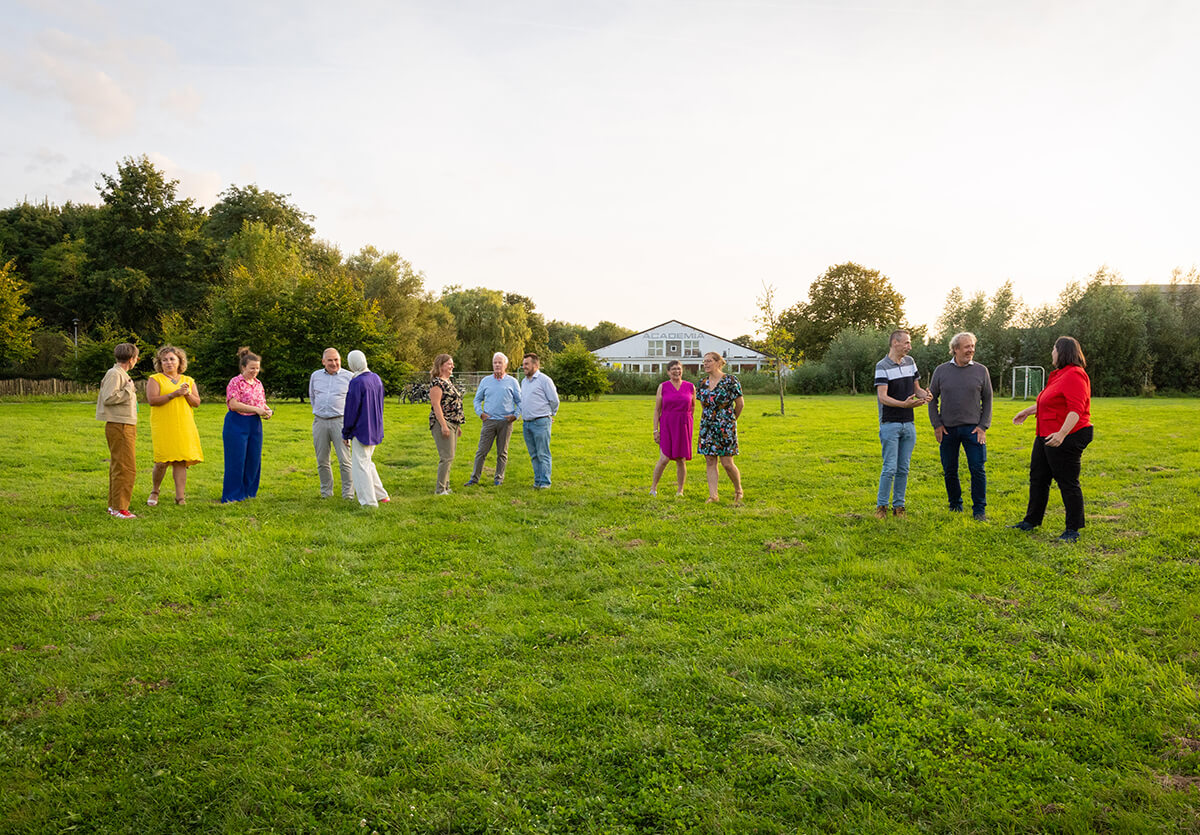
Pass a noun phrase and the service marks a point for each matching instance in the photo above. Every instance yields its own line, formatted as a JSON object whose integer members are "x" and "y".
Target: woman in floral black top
{"x": 720, "y": 395}
{"x": 446, "y": 418}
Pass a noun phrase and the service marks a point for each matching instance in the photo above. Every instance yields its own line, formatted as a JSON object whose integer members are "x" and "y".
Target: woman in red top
{"x": 1064, "y": 429}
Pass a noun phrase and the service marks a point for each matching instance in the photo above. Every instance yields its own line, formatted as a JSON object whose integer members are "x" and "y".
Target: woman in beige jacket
{"x": 117, "y": 407}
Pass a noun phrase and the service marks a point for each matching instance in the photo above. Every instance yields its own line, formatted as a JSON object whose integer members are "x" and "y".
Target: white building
{"x": 649, "y": 352}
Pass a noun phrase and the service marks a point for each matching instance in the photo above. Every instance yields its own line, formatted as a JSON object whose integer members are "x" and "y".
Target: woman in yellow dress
{"x": 172, "y": 396}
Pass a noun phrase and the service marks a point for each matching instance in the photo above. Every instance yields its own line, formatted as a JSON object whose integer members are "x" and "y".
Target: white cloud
{"x": 99, "y": 81}
{"x": 97, "y": 101}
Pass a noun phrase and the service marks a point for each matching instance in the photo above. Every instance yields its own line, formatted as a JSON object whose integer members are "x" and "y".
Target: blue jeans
{"x": 242, "y": 436}
{"x": 537, "y": 441}
{"x": 976, "y": 457}
{"x": 897, "y": 440}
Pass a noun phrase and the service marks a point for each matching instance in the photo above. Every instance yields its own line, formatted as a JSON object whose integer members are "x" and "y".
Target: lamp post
{"x": 75, "y": 323}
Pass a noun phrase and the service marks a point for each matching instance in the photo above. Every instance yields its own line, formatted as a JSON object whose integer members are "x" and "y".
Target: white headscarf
{"x": 356, "y": 361}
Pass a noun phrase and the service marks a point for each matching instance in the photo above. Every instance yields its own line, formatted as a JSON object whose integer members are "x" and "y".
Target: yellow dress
{"x": 173, "y": 431}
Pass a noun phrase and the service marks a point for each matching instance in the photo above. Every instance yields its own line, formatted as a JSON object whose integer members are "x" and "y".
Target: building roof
{"x": 755, "y": 351}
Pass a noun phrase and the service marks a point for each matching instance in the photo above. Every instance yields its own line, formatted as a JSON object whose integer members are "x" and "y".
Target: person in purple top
{"x": 674, "y": 416}
{"x": 362, "y": 429}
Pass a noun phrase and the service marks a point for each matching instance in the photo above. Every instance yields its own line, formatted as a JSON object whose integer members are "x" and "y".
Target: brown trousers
{"x": 122, "y": 463}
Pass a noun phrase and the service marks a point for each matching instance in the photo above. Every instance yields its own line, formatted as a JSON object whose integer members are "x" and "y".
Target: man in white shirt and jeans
{"x": 327, "y": 390}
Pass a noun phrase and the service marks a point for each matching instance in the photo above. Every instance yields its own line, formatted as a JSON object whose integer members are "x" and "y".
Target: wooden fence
{"x": 22, "y": 388}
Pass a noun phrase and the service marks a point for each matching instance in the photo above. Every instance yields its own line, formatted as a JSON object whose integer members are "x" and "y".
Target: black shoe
{"x": 956, "y": 509}
{"x": 980, "y": 516}
{"x": 1068, "y": 536}
{"x": 1023, "y": 526}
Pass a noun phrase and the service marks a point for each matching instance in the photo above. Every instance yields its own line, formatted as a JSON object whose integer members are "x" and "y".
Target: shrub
{"x": 629, "y": 382}
{"x": 577, "y": 373}
{"x": 812, "y": 378}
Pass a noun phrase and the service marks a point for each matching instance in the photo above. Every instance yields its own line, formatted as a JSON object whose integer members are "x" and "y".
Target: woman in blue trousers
{"x": 242, "y": 434}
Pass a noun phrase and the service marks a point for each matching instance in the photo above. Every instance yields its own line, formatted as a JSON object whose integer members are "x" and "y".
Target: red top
{"x": 1067, "y": 390}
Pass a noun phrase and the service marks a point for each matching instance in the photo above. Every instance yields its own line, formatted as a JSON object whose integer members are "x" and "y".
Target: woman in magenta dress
{"x": 674, "y": 410}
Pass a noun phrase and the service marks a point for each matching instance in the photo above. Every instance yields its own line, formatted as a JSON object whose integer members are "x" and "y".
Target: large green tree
{"x": 539, "y": 335}
{"x": 289, "y": 315}
{"x": 239, "y": 205}
{"x": 486, "y": 323}
{"x": 1111, "y": 327}
{"x": 47, "y": 244}
{"x": 561, "y": 334}
{"x": 852, "y": 354}
{"x": 422, "y": 326}
{"x": 145, "y": 250}
{"x": 846, "y": 296}
{"x": 995, "y": 323}
{"x": 606, "y": 333}
{"x": 59, "y": 278}
{"x": 16, "y": 329}
{"x": 1172, "y": 316}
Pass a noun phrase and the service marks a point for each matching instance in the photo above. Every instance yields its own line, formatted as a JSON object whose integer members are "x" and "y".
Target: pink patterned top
{"x": 243, "y": 391}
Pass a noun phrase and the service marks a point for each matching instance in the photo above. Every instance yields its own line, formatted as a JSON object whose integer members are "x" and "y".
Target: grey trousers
{"x": 498, "y": 432}
{"x": 327, "y": 432}
{"x": 445, "y": 448}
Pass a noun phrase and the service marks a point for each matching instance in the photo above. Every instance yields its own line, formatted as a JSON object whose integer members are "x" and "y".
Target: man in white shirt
{"x": 327, "y": 390}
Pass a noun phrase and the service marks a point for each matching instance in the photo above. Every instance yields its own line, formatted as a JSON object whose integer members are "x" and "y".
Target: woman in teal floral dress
{"x": 720, "y": 395}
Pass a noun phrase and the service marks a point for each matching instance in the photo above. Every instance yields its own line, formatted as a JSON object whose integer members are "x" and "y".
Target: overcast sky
{"x": 646, "y": 160}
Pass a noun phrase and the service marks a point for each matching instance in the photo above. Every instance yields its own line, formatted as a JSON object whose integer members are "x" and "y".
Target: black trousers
{"x": 1061, "y": 464}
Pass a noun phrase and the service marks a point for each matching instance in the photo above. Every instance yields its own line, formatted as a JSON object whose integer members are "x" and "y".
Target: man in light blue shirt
{"x": 497, "y": 400}
{"x": 539, "y": 405}
{"x": 327, "y": 391}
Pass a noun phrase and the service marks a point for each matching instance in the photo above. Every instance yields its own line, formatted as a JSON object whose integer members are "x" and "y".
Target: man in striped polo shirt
{"x": 898, "y": 393}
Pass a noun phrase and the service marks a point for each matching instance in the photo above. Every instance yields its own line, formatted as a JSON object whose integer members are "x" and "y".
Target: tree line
{"x": 148, "y": 266}
{"x": 1138, "y": 339}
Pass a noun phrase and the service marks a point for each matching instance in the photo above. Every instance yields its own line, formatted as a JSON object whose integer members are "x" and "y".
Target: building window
{"x": 691, "y": 347}
{"x": 654, "y": 348}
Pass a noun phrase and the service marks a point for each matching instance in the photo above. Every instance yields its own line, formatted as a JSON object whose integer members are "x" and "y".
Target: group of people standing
{"x": 959, "y": 400}
{"x": 348, "y": 420}
{"x": 721, "y": 401}
{"x": 347, "y": 408}
{"x": 176, "y": 443}
{"x": 173, "y": 396}
{"x": 499, "y": 400}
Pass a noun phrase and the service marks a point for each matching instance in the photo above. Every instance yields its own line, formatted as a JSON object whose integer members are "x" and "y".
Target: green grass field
{"x": 591, "y": 659}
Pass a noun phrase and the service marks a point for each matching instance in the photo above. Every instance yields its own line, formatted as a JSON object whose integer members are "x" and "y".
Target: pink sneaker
{"x": 385, "y": 501}
{"x": 124, "y": 514}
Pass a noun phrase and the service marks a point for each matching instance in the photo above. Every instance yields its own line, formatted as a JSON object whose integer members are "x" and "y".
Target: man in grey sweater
{"x": 961, "y": 412}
